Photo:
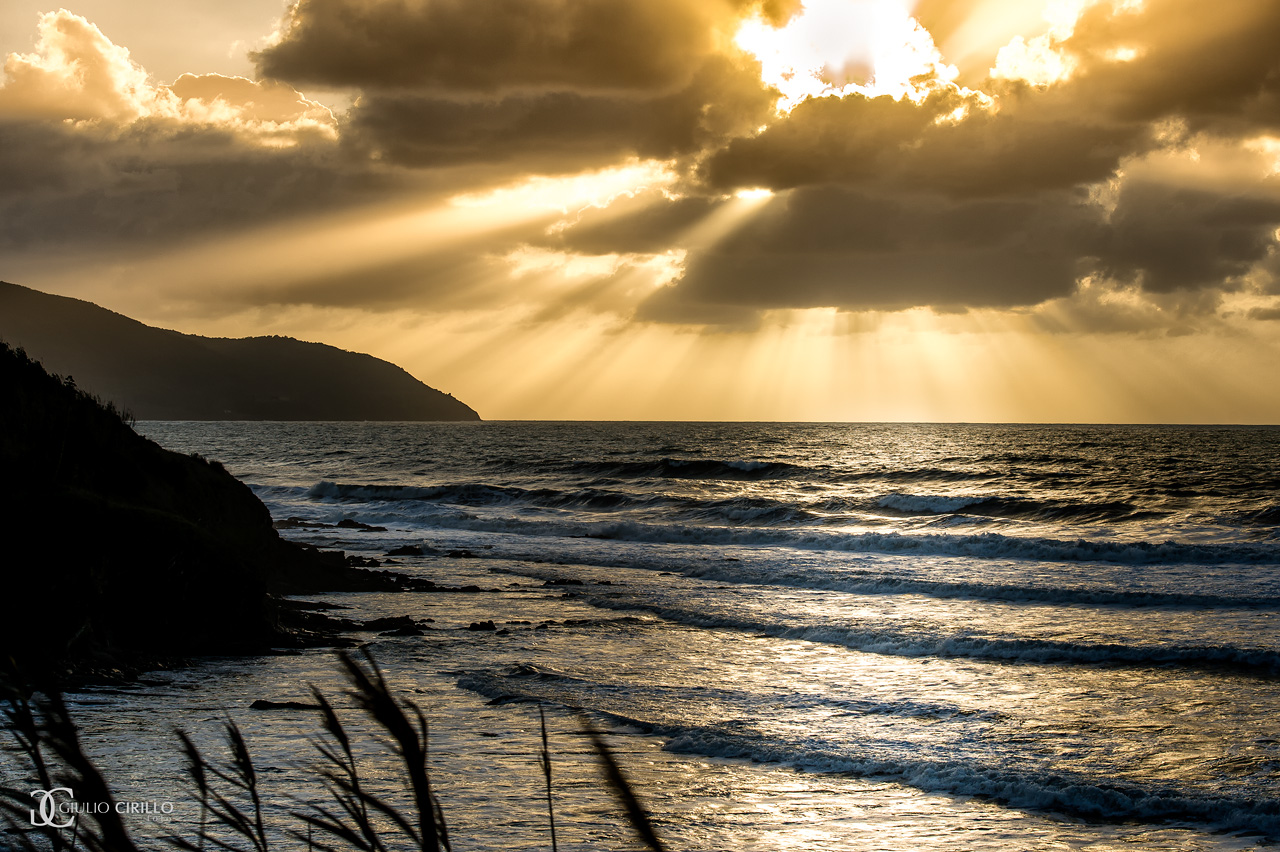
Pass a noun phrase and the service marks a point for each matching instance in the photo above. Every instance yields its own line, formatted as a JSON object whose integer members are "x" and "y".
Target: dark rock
{"x": 295, "y": 523}
{"x": 263, "y": 704}
{"x": 312, "y": 627}
{"x": 393, "y": 622}
{"x": 482, "y": 625}
{"x": 563, "y": 581}
{"x": 349, "y": 524}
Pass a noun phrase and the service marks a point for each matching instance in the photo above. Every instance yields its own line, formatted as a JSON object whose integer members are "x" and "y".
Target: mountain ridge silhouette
{"x": 160, "y": 374}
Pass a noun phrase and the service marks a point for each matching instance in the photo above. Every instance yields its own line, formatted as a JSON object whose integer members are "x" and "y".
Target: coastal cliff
{"x": 118, "y": 551}
{"x": 158, "y": 374}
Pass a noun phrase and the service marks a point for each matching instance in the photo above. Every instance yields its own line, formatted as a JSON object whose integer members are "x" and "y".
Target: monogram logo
{"x": 46, "y": 813}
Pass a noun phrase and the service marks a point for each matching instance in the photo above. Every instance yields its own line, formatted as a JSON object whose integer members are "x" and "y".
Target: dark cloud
{"x": 36, "y": 157}
{"x": 496, "y": 45}
{"x": 1016, "y": 152}
{"x": 155, "y": 180}
{"x": 548, "y": 85}
{"x": 562, "y": 130}
{"x": 1171, "y": 237}
{"x": 835, "y": 247}
{"x": 847, "y": 139}
{"x": 885, "y": 142}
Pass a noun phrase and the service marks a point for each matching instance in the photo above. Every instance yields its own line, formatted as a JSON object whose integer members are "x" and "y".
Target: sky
{"x": 847, "y": 210}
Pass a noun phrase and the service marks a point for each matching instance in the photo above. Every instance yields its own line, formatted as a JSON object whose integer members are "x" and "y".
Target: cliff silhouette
{"x": 157, "y": 374}
{"x": 117, "y": 552}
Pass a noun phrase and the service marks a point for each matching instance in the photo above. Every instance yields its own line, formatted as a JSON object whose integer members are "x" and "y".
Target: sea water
{"x": 808, "y": 636}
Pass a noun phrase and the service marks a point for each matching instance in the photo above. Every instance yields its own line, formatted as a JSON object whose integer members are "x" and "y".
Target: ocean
{"x": 797, "y": 636}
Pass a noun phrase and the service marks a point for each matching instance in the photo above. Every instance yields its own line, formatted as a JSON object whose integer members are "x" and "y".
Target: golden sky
{"x": 977, "y": 210}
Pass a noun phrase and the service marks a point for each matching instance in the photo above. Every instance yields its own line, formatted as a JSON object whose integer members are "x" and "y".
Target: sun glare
{"x": 839, "y": 47}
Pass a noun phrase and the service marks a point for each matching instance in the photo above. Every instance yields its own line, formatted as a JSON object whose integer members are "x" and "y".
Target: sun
{"x": 839, "y": 47}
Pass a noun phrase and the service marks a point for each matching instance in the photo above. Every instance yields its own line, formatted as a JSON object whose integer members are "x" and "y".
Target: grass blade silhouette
{"x": 621, "y": 788}
{"x": 546, "y": 772}
{"x": 371, "y": 693}
{"x": 241, "y": 776}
